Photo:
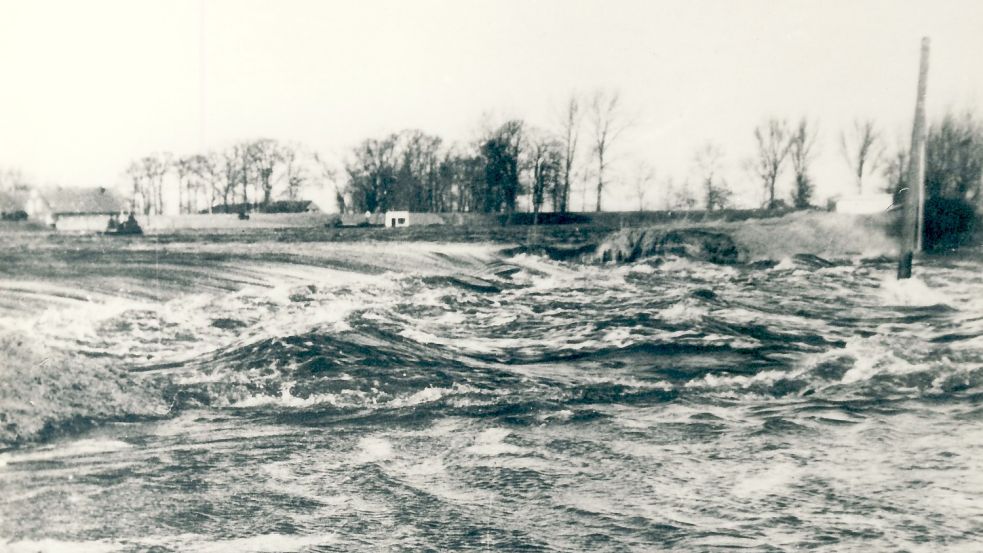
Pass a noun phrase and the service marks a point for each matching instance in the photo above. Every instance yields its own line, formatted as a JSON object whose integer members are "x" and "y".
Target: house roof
{"x": 84, "y": 201}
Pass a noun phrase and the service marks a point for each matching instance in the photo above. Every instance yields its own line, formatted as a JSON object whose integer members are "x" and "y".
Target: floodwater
{"x": 283, "y": 396}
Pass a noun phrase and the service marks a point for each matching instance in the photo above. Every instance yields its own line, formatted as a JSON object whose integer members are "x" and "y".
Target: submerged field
{"x": 290, "y": 391}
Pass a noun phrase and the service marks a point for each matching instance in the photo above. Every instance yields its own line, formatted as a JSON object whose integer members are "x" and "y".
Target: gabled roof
{"x": 83, "y": 201}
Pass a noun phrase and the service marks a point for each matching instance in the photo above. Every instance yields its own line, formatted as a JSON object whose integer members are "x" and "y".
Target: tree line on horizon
{"x": 245, "y": 176}
{"x": 953, "y": 158}
{"x": 416, "y": 171}
{"x": 413, "y": 170}
{"x": 513, "y": 160}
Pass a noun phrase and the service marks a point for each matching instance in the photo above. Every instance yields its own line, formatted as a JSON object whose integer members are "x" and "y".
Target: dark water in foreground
{"x": 318, "y": 397}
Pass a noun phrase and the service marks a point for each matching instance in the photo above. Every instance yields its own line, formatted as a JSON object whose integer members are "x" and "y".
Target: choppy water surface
{"x": 318, "y": 397}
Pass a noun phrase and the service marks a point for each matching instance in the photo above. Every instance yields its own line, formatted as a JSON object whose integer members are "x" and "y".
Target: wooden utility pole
{"x": 914, "y": 209}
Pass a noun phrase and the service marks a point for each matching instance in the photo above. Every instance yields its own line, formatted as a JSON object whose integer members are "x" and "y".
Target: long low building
{"x": 75, "y": 209}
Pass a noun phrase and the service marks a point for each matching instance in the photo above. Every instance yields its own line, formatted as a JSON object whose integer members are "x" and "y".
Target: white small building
{"x": 865, "y": 204}
{"x": 397, "y": 219}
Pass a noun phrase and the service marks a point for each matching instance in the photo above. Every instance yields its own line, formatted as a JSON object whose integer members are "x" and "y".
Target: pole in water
{"x": 914, "y": 211}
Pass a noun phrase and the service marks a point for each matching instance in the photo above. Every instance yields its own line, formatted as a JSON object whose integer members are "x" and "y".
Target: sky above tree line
{"x": 89, "y": 86}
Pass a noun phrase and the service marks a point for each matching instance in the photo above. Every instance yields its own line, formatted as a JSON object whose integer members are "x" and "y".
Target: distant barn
{"x": 77, "y": 209}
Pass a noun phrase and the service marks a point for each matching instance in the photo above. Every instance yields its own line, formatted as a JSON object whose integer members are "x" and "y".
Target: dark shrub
{"x": 948, "y": 223}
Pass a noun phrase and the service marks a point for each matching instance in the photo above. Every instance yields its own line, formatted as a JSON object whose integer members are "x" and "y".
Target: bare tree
{"x": 954, "y": 157}
{"x": 326, "y": 174}
{"x": 669, "y": 193}
{"x": 708, "y": 161}
{"x": 372, "y": 175}
{"x": 683, "y": 198}
{"x": 184, "y": 167}
{"x": 896, "y": 167}
{"x": 203, "y": 178}
{"x": 231, "y": 167}
{"x": 147, "y": 176}
{"x": 295, "y": 172}
{"x": 210, "y": 169}
{"x": 801, "y": 145}
{"x": 569, "y": 137}
{"x": 546, "y": 164}
{"x": 139, "y": 196}
{"x": 861, "y": 149}
{"x": 264, "y": 155}
{"x": 608, "y": 123}
{"x": 418, "y": 186}
{"x": 642, "y": 179}
{"x": 772, "y": 141}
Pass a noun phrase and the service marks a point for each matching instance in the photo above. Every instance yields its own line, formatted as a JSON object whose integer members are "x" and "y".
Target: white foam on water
{"x": 429, "y": 395}
{"x": 287, "y": 399}
{"x": 430, "y": 466}
{"x": 786, "y": 264}
{"x": 686, "y": 311}
{"x": 774, "y": 479}
{"x": 420, "y": 336}
{"x": 48, "y": 545}
{"x": 910, "y": 292}
{"x": 451, "y": 318}
{"x": 61, "y": 450}
{"x": 263, "y": 543}
{"x": 872, "y": 356}
{"x": 618, "y": 337}
{"x": 739, "y": 381}
{"x": 491, "y": 442}
{"x": 642, "y": 268}
{"x": 372, "y": 449}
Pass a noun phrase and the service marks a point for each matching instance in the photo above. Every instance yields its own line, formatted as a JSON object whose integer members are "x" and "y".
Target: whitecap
{"x": 911, "y": 292}
{"x": 372, "y": 449}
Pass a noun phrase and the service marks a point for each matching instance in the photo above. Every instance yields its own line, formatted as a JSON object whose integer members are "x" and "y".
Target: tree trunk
{"x": 600, "y": 176}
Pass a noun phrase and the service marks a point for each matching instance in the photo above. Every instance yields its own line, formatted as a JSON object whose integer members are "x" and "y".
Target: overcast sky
{"x": 87, "y": 86}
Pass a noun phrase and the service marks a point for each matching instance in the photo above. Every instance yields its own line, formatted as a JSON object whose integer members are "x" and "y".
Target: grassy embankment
{"x": 758, "y": 234}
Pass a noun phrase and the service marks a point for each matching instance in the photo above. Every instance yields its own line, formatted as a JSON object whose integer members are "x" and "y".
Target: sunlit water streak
{"x": 322, "y": 398}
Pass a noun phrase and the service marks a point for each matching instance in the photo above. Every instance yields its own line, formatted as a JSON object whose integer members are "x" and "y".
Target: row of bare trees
{"x": 515, "y": 158}
{"x": 511, "y": 160}
{"x": 776, "y": 141}
{"x": 953, "y": 169}
{"x": 420, "y": 172}
{"x": 247, "y": 175}
{"x": 777, "y": 145}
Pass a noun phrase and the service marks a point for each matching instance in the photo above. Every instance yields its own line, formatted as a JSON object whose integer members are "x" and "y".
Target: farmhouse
{"x": 79, "y": 209}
